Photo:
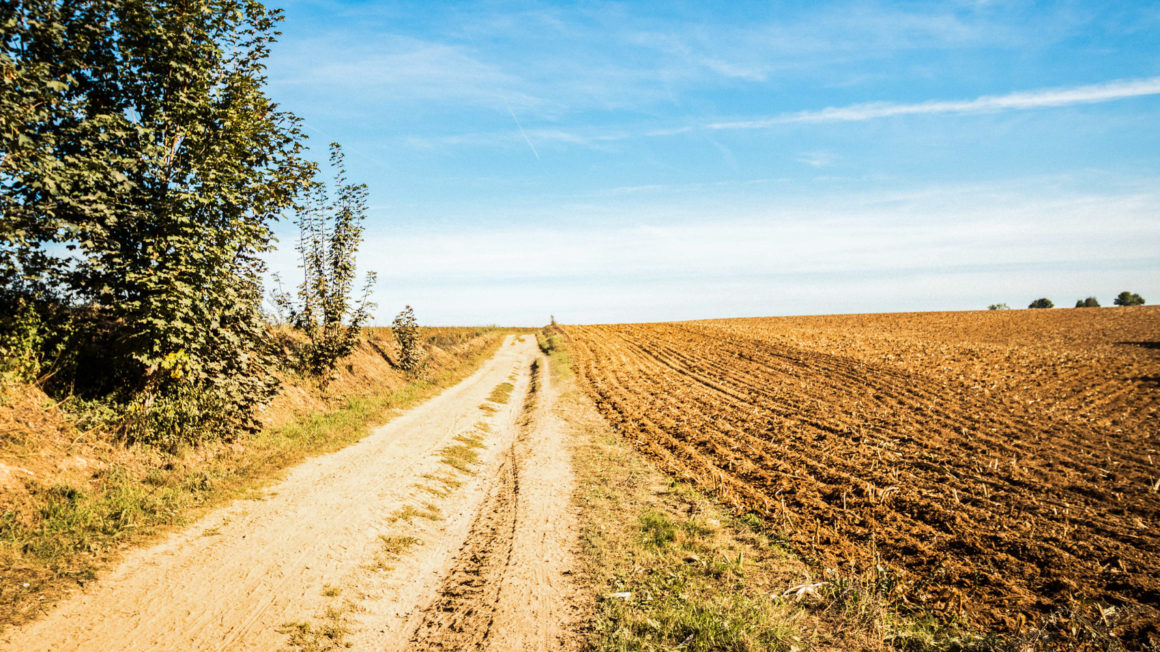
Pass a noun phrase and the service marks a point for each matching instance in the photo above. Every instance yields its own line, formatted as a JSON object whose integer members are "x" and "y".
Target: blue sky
{"x": 612, "y": 162}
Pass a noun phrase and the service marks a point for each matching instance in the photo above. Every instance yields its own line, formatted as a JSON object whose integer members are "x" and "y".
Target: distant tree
{"x": 1090, "y": 302}
{"x": 1126, "y": 298}
{"x": 553, "y": 318}
{"x": 324, "y": 307}
{"x": 998, "y": 306}
{"x": 1043, "y": 302}
{"x": 406, "y": 331}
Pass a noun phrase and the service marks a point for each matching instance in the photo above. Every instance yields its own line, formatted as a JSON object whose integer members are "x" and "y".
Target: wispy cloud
{"x": 1037, "y": 99}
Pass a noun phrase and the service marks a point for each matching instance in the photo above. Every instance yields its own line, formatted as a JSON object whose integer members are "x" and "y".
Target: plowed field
{"x": 1004, "y": 465}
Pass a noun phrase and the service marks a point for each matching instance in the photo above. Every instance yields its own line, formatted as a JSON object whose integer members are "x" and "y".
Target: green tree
{"x": 330, "y": 233}
{"x": 1042, "y": 303}
{"x": 998, "y": 306}
{"x": 141, "y": 165}
{"x": 1090, "y": 302}
{"x": 406, "y": 331}
{"x": 1126, "y": 298}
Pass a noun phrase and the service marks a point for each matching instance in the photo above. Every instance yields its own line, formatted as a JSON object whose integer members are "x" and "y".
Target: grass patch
{"x": 409, "y": 513}
{"x": 60, "y": 534}
{"x": 464, "y": 455}
{"x": 502, "y": 393}
{"x": 331, "y": 591}
{"x": 305, "y": 637}
{"x": 391, "y": 548}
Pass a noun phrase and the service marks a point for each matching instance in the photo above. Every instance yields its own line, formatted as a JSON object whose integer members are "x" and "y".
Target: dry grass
{"x": 502, "y": 393}
{"x": 90, "y": 499}
{"x": 392, "y": 547}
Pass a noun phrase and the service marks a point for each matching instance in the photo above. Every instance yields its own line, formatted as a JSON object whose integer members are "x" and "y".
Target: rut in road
{"x": 511, "y": 587}
{"x": 237, "y": 577}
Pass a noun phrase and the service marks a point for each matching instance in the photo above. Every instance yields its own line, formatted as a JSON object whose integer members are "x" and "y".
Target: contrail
{"x": 522, "y": 133}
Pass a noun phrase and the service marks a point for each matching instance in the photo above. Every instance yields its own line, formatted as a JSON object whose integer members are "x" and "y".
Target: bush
{"x": 1126, "y": 298}
{"x": 1090, "y": 302}
{"x": 998, "y": 306}
{"x": 406, "y": 331}
{"x": 1043, "y": 302}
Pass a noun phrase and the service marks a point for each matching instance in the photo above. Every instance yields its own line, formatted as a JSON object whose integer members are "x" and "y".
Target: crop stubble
{"x": 1003, "y": 464}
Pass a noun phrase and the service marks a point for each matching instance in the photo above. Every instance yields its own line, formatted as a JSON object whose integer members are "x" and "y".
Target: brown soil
{"x": 1002, "y": 464}
{"x": 246, "y": 575}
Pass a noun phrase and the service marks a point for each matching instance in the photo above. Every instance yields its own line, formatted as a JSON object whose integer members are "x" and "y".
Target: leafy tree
{"x": 406, "y": 331}
{"x": 1126, "y": 298}
{"x": 1042, "y": 303}
{"x": 330, "y": 234}
{"x": 1090, "y": 302}
{"x": 141, "y": 165}
{"x": 998, "y": 306}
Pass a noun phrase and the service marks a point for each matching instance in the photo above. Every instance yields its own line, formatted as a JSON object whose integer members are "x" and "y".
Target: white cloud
{"x": 1037, "y": 99}
{"x": 939, "y": 247}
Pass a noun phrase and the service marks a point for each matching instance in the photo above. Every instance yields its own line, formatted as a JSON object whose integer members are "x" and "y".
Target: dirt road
{"x": 383, "y": 545}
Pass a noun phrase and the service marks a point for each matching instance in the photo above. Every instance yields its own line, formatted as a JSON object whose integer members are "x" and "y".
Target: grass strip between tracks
{"x": 61, "y": 536}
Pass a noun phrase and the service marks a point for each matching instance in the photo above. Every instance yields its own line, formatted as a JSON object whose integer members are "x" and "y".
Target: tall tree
{"x": 324, "y": 306}
{"x": 140, "y": 169}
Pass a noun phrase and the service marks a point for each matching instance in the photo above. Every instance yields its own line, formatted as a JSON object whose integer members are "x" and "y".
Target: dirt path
{"x": 511, "y": 587}
{"x": 382, "y": 540}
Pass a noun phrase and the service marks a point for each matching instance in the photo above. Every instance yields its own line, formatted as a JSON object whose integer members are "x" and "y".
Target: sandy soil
{"x": 491, "y": 568}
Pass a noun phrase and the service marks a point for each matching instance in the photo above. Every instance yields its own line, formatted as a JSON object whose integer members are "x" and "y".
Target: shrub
{"x": 1126, "y": 298}
{"x": 998, "y": 306}
{"x": 406, "y": 331}
{"x": 1090, "y": 302}
{"x": 1043, "y": 302}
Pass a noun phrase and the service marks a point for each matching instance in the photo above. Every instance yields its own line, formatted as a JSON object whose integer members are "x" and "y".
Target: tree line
{"x": 142, "y": 167}
{"x": 1124, "y": 298}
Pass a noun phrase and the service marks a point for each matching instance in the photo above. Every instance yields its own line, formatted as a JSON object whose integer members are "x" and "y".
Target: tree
{"x": 1042, "y": 303}
{"x": 330, "y": 234}
{"x": 141, "y": 165}
{"x": 1090, "y": 302}
{"x": 1126, "y": 298}
{"x": 998, "y": 306}
{"x": 406, "y": 331}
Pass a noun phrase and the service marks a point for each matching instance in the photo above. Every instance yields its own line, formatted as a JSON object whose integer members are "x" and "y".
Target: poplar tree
{"x": 324, "y": 307}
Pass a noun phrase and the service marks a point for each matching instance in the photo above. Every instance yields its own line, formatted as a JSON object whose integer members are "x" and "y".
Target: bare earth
{"x": 491, "y": 566}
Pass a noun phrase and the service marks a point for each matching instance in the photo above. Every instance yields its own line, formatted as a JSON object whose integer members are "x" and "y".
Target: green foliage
{"x": 406, "y": 331}
{"x": 998, "y": 306}
{"x": 1126, "y": 298}
{"x": 141, "y": 165}
{"x": 1090, "y": 302}
{"x": 329, "y": 237}
{"x": 1042, "y": 303}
